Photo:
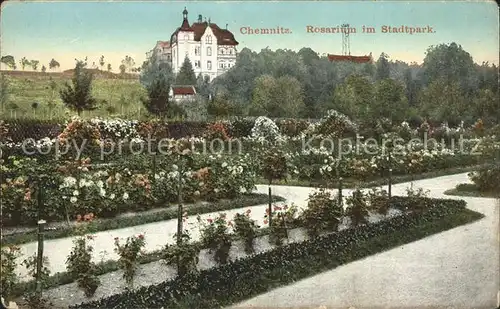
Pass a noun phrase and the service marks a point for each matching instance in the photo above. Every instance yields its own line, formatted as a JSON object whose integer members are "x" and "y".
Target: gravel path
{"x": 454, "y": 269}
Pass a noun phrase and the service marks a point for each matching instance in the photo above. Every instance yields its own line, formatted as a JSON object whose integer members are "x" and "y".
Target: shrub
{"x": 273, "y": 164}
{"x": 216, "y": 238}
{"x": 216, "y": 130}
{"x": 292, "y": 127}
{"x": 378, "y": 201}
{"x": 9, "y": 277}
{"x": 487, "y": 178}
{"x": 79, "y": 263}
{"x": 356, "y": 208}
{"x": 265, "y": 130}
{"x": 184, "y": 254}
{"x": 80, "y": 266}
{"x": 241, "y": 127}
{"x": 323, "y": 213}
{"x": 335, "y": 124}
{"x": 283, "y": 218}
{"x": 246, "y": 229}
{"x": 129, "y": 252}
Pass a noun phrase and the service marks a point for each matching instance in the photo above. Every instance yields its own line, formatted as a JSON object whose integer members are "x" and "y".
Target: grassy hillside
{"x": 117, "y": 95}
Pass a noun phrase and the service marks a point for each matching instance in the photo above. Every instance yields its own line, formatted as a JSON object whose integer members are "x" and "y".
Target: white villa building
{"x": 212, "y": 50}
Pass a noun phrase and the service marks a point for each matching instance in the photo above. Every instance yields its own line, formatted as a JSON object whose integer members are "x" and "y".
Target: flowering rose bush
{"x": 183, "y": 254}
{"x": 9, "y": 278}
{"x": 323, "y": 213}
{"x": 246, "y": 229}
{"x": 215, "y": 236}
{"x": 283, "y": 217}
{"x": 357, "y": 208}
{"x": 129, "y": 252}
{"x": 217, "y": 130}
{"x": 79, "y": 263}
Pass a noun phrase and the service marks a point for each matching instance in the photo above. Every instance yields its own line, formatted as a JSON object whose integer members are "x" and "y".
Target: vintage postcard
{"x": 249, "y": 154}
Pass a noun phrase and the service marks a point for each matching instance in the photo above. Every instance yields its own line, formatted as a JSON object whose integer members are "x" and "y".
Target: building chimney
{"x": 226, "y": 26}
{"x": 200, "y": 18}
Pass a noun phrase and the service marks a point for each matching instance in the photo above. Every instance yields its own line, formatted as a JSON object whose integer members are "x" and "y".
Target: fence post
{"x": 39, "y": 259}
{"x": 390, "y": 175}
{"x": 270, "y": 207}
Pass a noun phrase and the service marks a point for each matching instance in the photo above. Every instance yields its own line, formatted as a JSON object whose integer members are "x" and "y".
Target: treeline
{"x": 447, "y": 87}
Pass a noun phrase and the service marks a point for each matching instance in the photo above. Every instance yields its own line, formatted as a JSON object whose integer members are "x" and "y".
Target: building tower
{"x": 346, "y": 41}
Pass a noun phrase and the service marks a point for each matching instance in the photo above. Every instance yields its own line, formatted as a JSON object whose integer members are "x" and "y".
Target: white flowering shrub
{"x": 333, "y": 124}
{"x": 265, "y": 129}
{"x": 116, "y": 128}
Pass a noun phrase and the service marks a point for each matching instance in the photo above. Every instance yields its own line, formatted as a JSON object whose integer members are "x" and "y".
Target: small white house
{"x": 182, "y": 93}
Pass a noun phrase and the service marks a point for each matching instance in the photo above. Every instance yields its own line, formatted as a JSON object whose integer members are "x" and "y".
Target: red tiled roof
{"x": 183, "y": 90}
{"x": 224, "y": 37}
{"x": 164, "y": 43}
{"x": 357, "y": 59}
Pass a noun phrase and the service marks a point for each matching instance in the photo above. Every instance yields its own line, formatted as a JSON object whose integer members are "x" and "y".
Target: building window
{"x": 221, "y": 65}
{"x": 209, "y": 65}
{"x": 230, "y": 51}
{"x": 221, "y": 51}
{"x": 196, "y": 51}
{"x": 186, "y": 37}
{"x": 208, "y": 39}
{"x": 209, "y": 51}
{"x": 197, "y": 63}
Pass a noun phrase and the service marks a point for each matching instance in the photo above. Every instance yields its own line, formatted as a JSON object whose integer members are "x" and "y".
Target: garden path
{"x": 458, "y": 268}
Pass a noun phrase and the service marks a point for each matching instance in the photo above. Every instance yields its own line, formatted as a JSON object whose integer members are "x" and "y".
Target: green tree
{"x": 122, "y": 69}
{"x": 354, "y": 97}
{"x": 78, "y": 96}
{"x": 221, "y": 105}
{"x": 24, "y": 63}
{"x": 443, "y": 101}
{"x": 128, "y": 63}
{"x": 487, "y": 106}
{"x": 450, "y": 63}
{"x": 203, "y": 86}
{"x": 109, "y": 67}
{"x": 53, "y": 64}
{"x": 51, "y": 102}
{"x": 157, "y": 79}
{"x": 34, "y": 64}
{"x": 101, "y": 62}
{"x": 44, "y": 69}
{"x": 186, "y": 74}
{"x": 383, "y": 69}
{"x": 8, "y": 61}
{"x": 390, "y": 101}
{"x": 277, "y": 97}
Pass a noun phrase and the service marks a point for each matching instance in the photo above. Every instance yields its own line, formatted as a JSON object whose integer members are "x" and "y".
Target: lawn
{"x": 115, "y": 96}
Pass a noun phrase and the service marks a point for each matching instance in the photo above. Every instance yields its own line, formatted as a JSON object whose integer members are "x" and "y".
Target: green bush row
{"x": 244, "y": 278}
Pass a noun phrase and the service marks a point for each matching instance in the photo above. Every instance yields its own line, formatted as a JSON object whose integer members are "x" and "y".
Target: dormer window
{"x": 208, "y": 39}
{"x": 221, "y": 51}
{"x": 186, "y": 37}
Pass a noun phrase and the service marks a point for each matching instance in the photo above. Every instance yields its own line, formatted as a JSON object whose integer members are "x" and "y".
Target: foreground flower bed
{"x": 244, "y": 278}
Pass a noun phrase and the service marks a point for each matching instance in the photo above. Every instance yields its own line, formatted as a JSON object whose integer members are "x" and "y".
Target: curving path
{"x": 458, "y": 268}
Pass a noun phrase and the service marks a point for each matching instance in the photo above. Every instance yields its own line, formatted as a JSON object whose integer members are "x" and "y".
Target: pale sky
{"x": 69, "y": 30}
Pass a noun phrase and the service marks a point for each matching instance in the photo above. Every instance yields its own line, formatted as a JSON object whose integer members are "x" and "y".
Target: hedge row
{"x": 244, "y": 278}
{"x": 22, "y": 129}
